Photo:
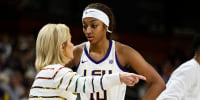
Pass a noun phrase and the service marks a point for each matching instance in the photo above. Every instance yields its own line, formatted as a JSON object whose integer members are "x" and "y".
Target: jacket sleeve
{"x": 88, "y": 84}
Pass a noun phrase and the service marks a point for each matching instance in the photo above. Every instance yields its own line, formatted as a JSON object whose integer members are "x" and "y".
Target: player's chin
{"x": 91, "y": 41}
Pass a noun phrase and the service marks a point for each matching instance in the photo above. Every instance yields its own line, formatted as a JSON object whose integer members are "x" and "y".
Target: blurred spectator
{"x": 5, "y": 46}
{"x": 4, "y": 87}
{"x": 17, "y": 87}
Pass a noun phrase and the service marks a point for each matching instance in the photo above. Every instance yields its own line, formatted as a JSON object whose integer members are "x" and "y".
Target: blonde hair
{"x": 48, "y": 45}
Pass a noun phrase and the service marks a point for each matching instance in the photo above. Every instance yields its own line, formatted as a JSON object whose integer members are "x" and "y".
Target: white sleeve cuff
{"x": 110, "y": 80}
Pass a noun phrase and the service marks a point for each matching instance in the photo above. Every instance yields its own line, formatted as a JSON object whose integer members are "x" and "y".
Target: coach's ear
{"x": 62, "y": 46}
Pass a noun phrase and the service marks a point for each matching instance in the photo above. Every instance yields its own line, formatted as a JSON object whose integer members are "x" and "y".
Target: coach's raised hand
{"x": 130, "y": 79}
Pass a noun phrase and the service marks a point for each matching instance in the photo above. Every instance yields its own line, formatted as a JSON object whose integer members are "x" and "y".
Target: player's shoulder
{"x": 122, "y": 48}
{"x": 77, "y": 51}
{"x": 188, "y": 66}
{"x": 79, "y": 47}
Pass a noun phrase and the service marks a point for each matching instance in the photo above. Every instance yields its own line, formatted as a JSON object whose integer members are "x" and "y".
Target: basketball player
{"x": 100, "y": 55}
{"x": 55, "y": 81}
{"x": 184, "y": 83}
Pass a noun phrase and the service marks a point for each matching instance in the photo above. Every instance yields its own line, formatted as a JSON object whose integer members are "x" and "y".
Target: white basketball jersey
{"x": 108, "y": 65}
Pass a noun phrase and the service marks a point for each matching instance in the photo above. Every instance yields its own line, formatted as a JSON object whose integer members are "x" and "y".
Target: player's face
{"x": 94, "y": 29}
{"x": 68, "y": 49}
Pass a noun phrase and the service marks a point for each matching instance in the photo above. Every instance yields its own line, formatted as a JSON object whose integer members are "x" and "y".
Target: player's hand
{"x": 130, "y": 79}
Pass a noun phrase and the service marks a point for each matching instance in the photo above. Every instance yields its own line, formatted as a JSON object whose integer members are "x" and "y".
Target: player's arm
{"x": 129, "y": 56}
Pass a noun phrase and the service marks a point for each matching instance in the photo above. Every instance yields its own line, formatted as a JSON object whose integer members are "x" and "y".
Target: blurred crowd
{"x": 17, "y": 71}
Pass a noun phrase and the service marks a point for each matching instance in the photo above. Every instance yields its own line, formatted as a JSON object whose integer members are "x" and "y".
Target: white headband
{"x": 98, "y": 14}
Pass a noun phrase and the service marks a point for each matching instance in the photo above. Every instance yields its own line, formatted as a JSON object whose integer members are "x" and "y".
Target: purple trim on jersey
{"x": 107, "y": 54}
{"x": 121, "y": 67}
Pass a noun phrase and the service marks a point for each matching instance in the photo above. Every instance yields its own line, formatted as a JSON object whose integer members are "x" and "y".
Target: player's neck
{"x": 100, "y": 46}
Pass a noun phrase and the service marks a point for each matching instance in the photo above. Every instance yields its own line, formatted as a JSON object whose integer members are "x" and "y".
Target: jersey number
{"x": 98, "y": 96}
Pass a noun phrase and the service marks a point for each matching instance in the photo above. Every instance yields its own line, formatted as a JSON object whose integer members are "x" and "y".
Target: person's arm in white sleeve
{"x": 176, "y": 86}
{"x": 79, "y": 84}
{"x": 89, "y": 84}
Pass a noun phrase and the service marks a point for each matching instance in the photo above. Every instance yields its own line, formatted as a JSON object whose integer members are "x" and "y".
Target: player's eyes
{"x": 93, "y": 26}
{"x": 84, "y": 26}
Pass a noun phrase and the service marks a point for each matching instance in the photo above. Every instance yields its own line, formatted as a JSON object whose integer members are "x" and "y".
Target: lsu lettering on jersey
{"x": 56, "y": 82}
{"x": 108, "y": 65}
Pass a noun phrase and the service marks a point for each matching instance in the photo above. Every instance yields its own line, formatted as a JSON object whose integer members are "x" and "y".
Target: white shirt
{"x": 56, "y": 82}
{"x": 108, "y": 65}
{"x": 184, "y": 83}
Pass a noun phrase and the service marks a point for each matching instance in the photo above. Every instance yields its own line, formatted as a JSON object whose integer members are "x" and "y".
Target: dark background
{"x": 161, "y": 30}
{"x": 160, "y": 17}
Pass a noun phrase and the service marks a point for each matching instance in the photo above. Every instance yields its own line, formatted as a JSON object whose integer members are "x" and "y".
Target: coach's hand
{"x": 130, "y": 79}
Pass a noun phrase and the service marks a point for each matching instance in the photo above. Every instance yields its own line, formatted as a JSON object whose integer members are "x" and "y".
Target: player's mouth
{"x": 90, "y": 38}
